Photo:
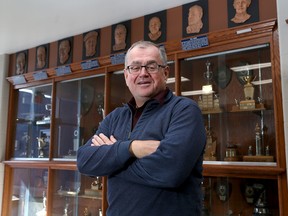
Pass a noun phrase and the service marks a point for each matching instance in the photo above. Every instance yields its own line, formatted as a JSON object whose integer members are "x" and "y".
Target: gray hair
{"x": 145, "y": 44}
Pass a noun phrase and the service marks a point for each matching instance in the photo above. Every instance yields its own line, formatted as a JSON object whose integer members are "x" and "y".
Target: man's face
{"x": 154, "y": 25}
{"x": 64, "y": 50}
{"x": 194, "y": 16}
{"x": 143, "y": 85}
{"x": 20, "y": 63}
{"x": 41, "y": 55}
{"x": 90, "y": 46}
{"x": 240, "y": 6}
{"x": 120, "y": 35}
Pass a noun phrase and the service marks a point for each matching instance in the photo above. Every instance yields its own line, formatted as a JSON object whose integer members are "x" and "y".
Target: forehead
{"x": 143, "y": 54}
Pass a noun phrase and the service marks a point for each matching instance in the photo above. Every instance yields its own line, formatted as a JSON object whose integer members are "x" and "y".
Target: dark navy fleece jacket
{"x": 165, "y": 183}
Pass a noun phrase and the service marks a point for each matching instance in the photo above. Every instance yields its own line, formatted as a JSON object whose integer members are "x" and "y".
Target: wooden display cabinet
{"x": 216, "y": 76}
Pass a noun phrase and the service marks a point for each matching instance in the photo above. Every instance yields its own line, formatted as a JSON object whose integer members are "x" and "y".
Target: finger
{"x": 105, "y": 139}
{"x": 98, "y": 140}
{"x": 112, "y": 138}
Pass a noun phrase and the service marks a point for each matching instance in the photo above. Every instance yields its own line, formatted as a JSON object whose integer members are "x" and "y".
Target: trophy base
{"x": 236, "y": 158}
{"x": 247, "y": 104}
{"x": 210, "y": 158}
{"x": 258, "y": 158}
{"x": 92, "y": 192}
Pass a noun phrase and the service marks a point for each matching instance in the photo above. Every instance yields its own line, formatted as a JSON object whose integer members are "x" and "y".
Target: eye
{"x": 151, "y": 67}
{"x": 134, "y": 68}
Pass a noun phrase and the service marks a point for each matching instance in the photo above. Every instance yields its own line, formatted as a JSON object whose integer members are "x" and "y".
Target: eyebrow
{"x": 140, "y": 63}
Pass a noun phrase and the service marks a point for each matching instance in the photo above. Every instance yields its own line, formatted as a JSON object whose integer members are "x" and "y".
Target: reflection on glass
{"x": 72, "y": 194}
{"x": 32, "y": 122}
{"x": 79, "y": 105}
{"x": 29, "y": 192}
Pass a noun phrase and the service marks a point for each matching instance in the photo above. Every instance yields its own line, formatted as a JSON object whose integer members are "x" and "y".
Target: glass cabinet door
{"x": 32, "y": 131}
{"x": 79, "y": 109}
{"x": 235, "y": 93}
{"x": 29, "y": 192}
{"x": 237, "y": 196}
{"x": 75, "y": 194}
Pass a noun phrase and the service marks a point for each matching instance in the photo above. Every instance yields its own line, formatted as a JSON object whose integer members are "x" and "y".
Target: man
{"x": 64, "y": 51}
{"x": 41, "y": 57}
{"x": 241, "y": 14}
{"x": 195, "y": 23}
{"x": 90, "y": 42}
{"x": 120, "y": 33}
{"x": 154, "y": 28}
{"x": 20, "y": 63}
{"x": 151, "y": 149}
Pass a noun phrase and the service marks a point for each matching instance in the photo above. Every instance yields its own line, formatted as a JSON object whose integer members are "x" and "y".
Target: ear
{"x": 166, "y": 72}
{"x": 126, "y": 75}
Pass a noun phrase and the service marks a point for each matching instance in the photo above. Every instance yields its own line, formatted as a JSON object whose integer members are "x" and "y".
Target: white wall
{"x": 282, "y": 6}
{"x": 4, "y": 94}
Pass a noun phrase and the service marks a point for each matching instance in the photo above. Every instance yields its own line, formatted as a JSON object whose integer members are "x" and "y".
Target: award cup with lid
{"x": 249, "y": 102}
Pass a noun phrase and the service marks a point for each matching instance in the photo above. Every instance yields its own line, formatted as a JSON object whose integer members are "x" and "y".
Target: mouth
{"x": 144, "y": 83}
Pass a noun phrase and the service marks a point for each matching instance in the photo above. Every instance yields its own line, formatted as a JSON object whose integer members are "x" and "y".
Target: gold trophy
{"x": 249, "y": 102}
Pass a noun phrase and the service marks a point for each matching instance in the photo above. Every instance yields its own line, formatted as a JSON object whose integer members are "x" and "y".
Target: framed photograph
{"x": 42, "y": 57}
{"x": 155, "y": 27}
{"x": 121, "y": 36}
{"x": 195, "y": 18}
{"x": 91, "y": 44}
{"x": 21, "y": 63}
{"x": 242, "y": 12}
{"x": 65, "y": 50}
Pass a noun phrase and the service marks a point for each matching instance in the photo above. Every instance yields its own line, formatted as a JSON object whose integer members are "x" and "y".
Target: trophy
{"x": 210, "y": 149}
{"x": 41, "y": 144}
{"x": 209, "y": 101}
{"x": 249, "y": 102}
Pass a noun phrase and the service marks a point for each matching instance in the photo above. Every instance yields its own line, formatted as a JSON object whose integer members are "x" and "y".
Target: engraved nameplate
{"x": 88, "y": 65}
{"x": 40, "y": 75}
{"x": 195, "y": 43}
{"x": 117, "y": 58}
{"x": 63, "y": 70}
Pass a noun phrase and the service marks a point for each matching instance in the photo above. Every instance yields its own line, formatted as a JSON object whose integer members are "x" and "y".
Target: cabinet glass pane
{"x": 119, "y": 91}
{"x": 235, "y": 92}
{"x": 171, "y": 79}
{"x": 236, "y": 196}
{"x": 75, "y": 194}
{"x": 29, "y": 192}
{"x": 32, "y": 131}
{"x": 79, "y": 109}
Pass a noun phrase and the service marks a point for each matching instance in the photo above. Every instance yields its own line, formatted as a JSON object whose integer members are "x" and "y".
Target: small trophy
{"x": 261, "y": 206}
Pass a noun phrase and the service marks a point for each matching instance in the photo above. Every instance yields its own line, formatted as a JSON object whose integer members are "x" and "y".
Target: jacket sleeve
{"x": 103, "y": 160}
{"x": 179, "y": 155}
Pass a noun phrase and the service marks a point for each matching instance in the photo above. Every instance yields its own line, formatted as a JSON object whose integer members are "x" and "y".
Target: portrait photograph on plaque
{"x": 42, "y": 57}
{"x": 155, "y": 27}
{"x": 195, "y": 18}
{"x": 91, "y": 44}
{"x": 65, "y": 50}
{"x": 21, "y": 64}
{"x": 242, "y": 12}
{"x": 121, "y": 36}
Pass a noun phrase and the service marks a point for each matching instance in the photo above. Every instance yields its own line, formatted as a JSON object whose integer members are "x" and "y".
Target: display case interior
{"x": 235, "y": 93}
{"x": 32, "y": 123}
{"x": 237, "y": 196}
{"x": 75, "y": 194}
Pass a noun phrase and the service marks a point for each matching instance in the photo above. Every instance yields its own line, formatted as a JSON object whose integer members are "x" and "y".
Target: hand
{"x": 142, "y": 148}
{"x": 101, "y": 139}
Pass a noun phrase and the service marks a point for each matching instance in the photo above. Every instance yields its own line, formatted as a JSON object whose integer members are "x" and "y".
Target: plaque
{"x": 195, "y": 43}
